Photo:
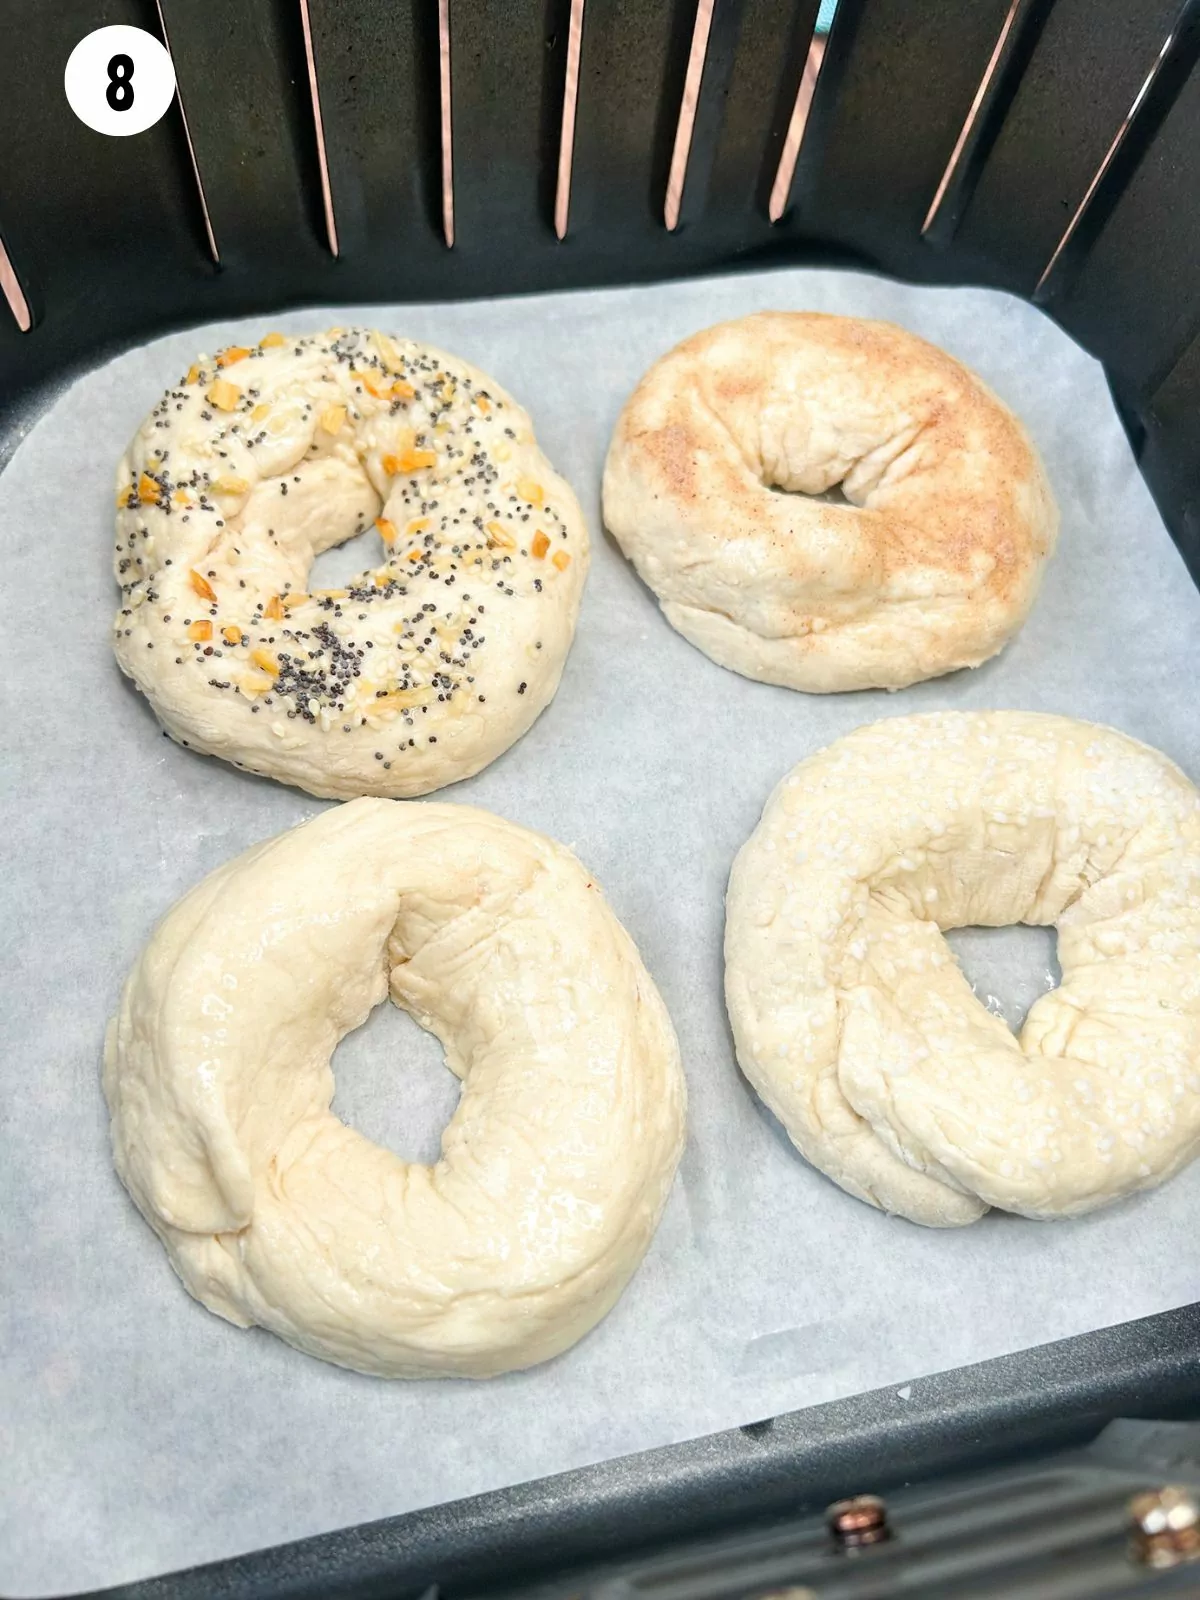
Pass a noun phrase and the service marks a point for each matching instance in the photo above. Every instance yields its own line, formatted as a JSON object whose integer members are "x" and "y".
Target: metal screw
{"x": 858, "y": 1522}
{"x": 1166, "y": 1527}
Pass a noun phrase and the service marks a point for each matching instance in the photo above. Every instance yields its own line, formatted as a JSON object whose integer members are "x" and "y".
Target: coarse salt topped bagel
{"x": 418, "y": 672}
{"x": 555, "y": 1165}
{"x": 855, "y": 1023}
{"x": 932, "y": 564}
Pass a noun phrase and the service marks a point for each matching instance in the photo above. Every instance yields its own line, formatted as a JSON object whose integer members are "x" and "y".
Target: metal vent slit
{"x": 954, "y": 167}
{"x": 205, "y": 215}
{"x": 447, "y": 121}
{"x": 1002, "y": 76}
{"x": 13, "y": 294}
{"x": 790, "y": 155}
{"x": 1178, "y": 55}
{"x": 319, "y": 131}
{"x": 566, "y": 143}
{"x": 687, "y": 113}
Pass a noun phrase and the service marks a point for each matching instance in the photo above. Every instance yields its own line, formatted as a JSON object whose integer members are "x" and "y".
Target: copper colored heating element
{"x": 1165, "y": 1526}
{"x": 858, "y": 1522}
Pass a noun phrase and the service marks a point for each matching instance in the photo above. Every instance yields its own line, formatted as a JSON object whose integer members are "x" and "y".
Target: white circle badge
{"x": 119, "y": 80}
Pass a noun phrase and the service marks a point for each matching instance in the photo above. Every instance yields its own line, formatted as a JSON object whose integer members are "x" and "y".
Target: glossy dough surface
{"x": 932, "y": 565}
{"x": 426, "y": 666}
{"x": 855, "y": 1023}
{"x": 555, "y": 1165}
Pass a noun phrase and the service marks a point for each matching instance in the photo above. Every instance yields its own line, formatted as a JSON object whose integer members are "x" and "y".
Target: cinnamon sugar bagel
{"x": 931, "y": 564}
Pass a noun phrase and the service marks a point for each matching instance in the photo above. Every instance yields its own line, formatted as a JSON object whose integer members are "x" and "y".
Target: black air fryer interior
{"x": 1046, "y": 147}
{"x": 1084, "y": 121}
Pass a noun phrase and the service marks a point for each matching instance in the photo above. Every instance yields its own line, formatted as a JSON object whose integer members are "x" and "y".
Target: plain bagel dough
{"x": 855, "y": 1024}
{"x": 933, "y": 564}
{"x": 422, "y": 669}
{"x": 554, "y": 1168}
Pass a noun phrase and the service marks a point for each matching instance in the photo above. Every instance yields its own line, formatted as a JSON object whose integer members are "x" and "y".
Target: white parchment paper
{"x": 139, "y": 1433}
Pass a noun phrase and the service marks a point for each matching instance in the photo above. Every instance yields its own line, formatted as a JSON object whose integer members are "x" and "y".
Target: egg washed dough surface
{"x": 417, "y": 672}
{"x": 150, "y": 1434}
{"x": 856, "y": 1024}
{"x": 553, "y": 1170}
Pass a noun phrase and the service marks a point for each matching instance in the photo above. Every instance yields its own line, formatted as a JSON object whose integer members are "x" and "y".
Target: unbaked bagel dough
{"x": 855, "y": 1023}
{"x": 932, "y": 564}
{"x": 419, "y": 671}
{"x": 555, "y": 1166}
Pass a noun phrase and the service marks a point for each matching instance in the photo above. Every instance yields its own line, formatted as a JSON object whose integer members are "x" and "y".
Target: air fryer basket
{"x": 1047, "y": 147}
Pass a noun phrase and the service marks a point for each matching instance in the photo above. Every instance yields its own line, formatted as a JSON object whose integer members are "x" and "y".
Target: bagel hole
{"x": 392, "y": 1084}
{"x": 832, "y": 497}
{"x": 1008, "y": 968}
{"x": 334, "y": 568}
